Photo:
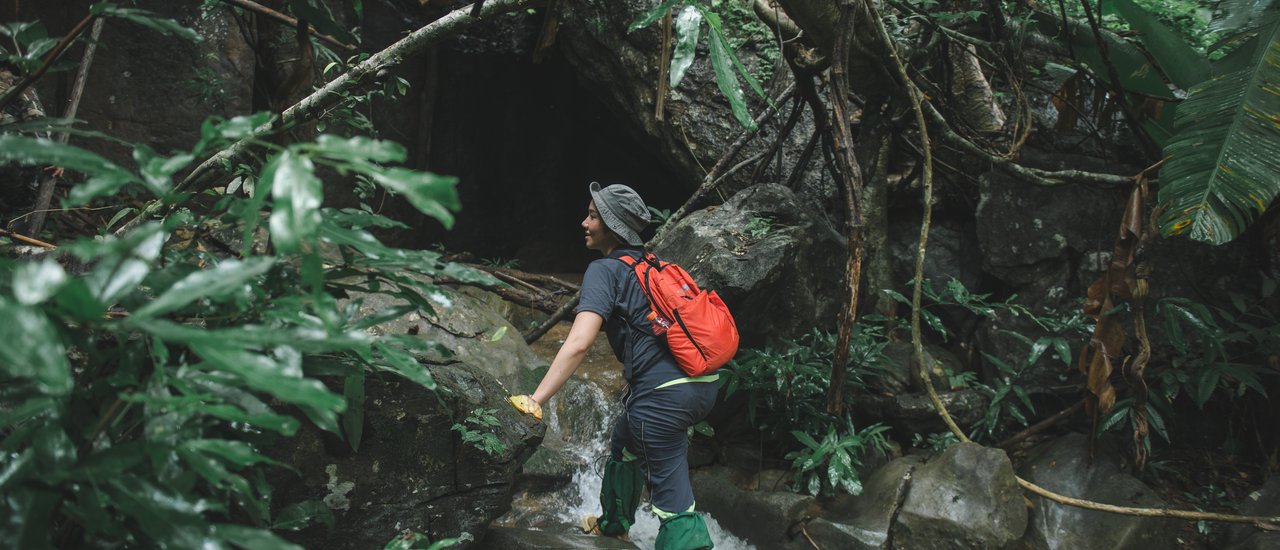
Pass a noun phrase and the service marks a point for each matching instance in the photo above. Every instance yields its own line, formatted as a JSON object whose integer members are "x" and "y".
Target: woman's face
{"x": 597, "y": 236}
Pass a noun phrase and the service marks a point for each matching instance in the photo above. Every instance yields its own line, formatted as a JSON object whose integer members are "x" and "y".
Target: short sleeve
{"x": 598, "y": 291}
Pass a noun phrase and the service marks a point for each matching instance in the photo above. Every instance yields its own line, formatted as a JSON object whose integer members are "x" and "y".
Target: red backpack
{"x": 700, "y": 330}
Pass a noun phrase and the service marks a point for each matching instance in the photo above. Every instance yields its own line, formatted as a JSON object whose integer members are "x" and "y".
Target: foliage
{"x": 1222, "y": 161}
{"x": 757, "y": 227}
{"x": 481, "y": 438}
{"x": 831, "y": 465}
{"x": 934, "y": 442}
{"x": 151, "y": 379}
{"x": 724, "y": 61}
{"x": 1009, "y": 399}
{"x": 1214, "y": 353}
{"x": 786, "y": 382}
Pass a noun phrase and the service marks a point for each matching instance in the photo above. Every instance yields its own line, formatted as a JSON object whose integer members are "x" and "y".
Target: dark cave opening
{"x": 524, "y": 141}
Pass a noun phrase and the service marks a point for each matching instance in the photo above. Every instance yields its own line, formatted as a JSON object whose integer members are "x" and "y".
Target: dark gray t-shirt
{"x": 611, "y": 290}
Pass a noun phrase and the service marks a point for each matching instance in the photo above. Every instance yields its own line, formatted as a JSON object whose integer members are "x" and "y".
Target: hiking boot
{"x": 591, "y": 526}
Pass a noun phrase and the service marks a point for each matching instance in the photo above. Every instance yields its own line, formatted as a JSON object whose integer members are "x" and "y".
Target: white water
{"x": 581, "y": 497}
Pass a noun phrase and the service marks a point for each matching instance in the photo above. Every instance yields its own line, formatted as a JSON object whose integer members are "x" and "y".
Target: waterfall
{"x": 585, "y": 436}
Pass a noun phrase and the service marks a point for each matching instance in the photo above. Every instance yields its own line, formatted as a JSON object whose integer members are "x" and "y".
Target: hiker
{"x": 650, "y": 442}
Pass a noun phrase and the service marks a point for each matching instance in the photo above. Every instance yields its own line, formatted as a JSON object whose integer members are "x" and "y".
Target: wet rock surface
{"x": 1063, "y": 466}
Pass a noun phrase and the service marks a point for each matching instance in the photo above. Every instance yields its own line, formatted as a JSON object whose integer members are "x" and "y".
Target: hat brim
{"x": 611, "y": 219}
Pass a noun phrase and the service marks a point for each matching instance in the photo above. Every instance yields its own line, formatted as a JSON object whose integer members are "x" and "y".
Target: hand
{"x": 526, "y": 404}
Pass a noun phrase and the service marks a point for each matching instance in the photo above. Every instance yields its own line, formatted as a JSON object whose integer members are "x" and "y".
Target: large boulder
{"x": 1263, "y": 502}
{"x": 697, "y": 125}
{"x": 464, "y": 329}
{"x": 411, "y": 470}
{"x": 864, "y": 522}
{"x": 1063, "y": 466}
{"x": 967, "y": 497}
{"x": 752, "y": 511}
{"x": 776, "y": 263}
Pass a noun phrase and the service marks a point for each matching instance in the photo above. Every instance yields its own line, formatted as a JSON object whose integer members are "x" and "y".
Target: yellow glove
{"x": 526, "y": 404}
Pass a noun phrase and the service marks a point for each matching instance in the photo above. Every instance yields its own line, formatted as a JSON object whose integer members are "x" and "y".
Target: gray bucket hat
{"x": 622, "y": 210}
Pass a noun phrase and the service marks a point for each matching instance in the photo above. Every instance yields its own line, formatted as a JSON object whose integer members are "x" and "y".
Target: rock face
{"x": 774, "y": 262}
{"x": 765, "y": 517}
{"x": 1062, "y": 466}
{"x": 466, "y": 329}
{"x": 412, "y": 471}
{"x": 967, "y": 497}
{"x": 1264, "y": 502}
{"x": 622, "y": 67}
{"x": 864, "y": 522}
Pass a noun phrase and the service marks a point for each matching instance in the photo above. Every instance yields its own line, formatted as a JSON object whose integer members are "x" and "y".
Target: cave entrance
{"x": 524, "y": 140}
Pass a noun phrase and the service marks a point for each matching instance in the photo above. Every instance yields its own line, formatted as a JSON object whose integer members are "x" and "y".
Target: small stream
{"x": 579, "y": 421}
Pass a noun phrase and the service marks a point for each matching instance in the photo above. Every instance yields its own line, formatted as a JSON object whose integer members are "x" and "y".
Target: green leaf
{"x": 162, "y": 25}
{"x": 1219, "y": 176}
{"x": 358, "y": 149}
{"x": 222, "y": 279}
{"x": 1206, "y": 384}
{"x": 284, "y": 425}
{"x": 395, "y": 359}
{"x": 432, "y": 194}
{"x": 245, "y": 536}
{"x": 649, "y": 17}
{"x": 1134, "y": 70}
{"x": 688, "y": 25}
{"x": 105, "y": 177}
{"x": 1185, "y": 66}
{"x": 297, "y": 195}
{"x": 298, "y": 515}
{"x": 264, "y": 373}
{"x": 125, "y": 262}
{"x": 805, "y": 438}
{"x": 33, "y": 349}
{"x": 726, "y": 78}
{"x": 35, "y": 282}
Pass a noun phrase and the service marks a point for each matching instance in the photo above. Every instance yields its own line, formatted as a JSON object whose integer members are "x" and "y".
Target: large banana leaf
{"x": 1222, "y": 168}
{"x": 1185, "y": 66}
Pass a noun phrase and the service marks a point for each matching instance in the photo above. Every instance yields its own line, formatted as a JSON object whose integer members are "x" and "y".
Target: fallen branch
{"x": 331, "y": 93}
{"x": 533, "y": 335}
{"x": 26, "y": 239}
{"x": 1041, "y": 425}
{"x": 287, "y": 20}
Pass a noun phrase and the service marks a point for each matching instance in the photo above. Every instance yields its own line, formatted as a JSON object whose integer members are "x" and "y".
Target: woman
{"x": 649, "y": 442}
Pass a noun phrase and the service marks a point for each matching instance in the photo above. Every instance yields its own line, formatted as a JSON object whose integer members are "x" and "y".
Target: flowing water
{"x": 579, "y": 421}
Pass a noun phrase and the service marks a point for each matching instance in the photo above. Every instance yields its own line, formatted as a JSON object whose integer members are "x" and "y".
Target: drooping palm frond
{"x": 1222, "y": 167}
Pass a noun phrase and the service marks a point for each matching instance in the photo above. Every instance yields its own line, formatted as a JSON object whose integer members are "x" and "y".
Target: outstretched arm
{"x": 586, "y": 325}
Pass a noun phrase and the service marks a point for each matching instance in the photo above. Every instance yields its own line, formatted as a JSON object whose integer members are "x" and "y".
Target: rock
{"x": 464, "y": 329}
{"x": 914, "y": 412}
{"x": 773, "y": 261}
{"x": 1263, "y": 502}
{"x": 967, "y": 497}
{"x": 863, "y": 522}
{"x": 412, "y": 471}
{"x": 766, "y": 518}
{"x": 698, "y": 125}
{"x": 145, "y": 87}
{"x": 1062, "y": 466}
{"x": 899, "y": 373}
{"x": 952, "y": 252}
{"x": 509, "y": 538}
